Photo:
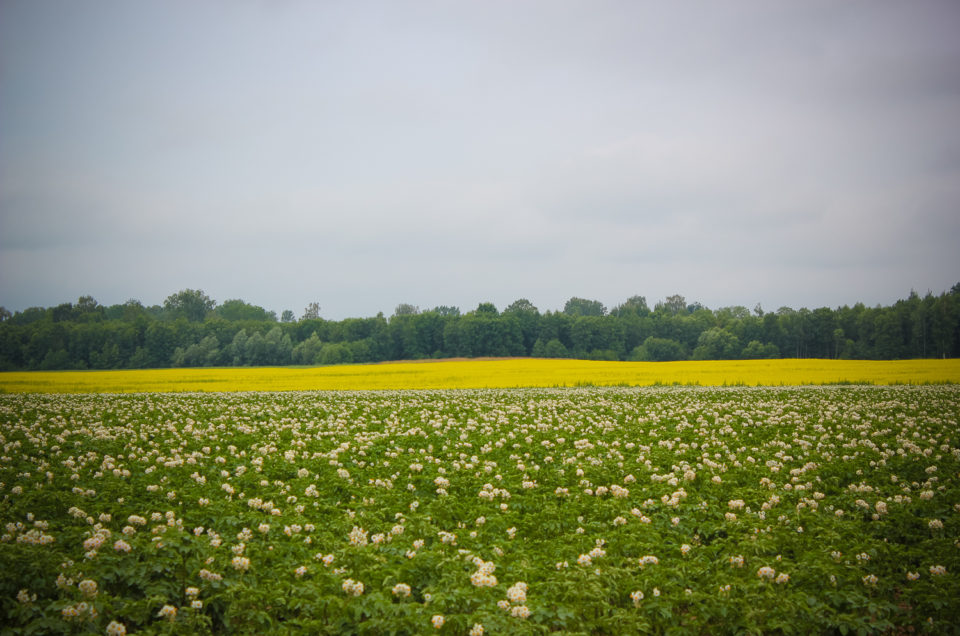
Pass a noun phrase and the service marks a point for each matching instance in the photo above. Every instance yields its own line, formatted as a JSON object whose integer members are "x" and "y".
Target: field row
{"x": 592, "y": 511}
{"x": 496, "y": 373}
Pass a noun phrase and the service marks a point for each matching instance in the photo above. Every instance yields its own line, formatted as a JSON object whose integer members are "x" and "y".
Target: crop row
{"x": 686, "y": 510}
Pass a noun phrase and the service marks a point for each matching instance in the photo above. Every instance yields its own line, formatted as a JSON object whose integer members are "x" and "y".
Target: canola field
{"x": 681, "y": 510}
{"x": 497, "y": 373}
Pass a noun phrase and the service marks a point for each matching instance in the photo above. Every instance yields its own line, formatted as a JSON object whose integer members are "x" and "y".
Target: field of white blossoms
{"x": 593, "y": 511}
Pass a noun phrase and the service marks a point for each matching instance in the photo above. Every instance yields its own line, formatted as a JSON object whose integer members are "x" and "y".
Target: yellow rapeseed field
{"x": 502, "y": 373}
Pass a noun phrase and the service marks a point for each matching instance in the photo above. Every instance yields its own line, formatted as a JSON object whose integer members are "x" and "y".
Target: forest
{"x": 192, "y": 330}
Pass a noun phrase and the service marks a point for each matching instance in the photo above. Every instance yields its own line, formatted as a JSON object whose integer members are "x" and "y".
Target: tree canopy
{"x": 190, "y": 329}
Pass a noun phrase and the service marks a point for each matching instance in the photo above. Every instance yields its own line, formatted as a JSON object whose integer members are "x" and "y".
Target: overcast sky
{"x": 365, "y": 154}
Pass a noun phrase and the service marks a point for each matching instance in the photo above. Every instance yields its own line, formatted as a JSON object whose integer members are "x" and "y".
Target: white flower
{"x": 168, "y": 612}
{"x": 636, "y": 596}
{"x": 353, "y": 588}
{"x": 358, "y": 536}
{"x": 520, "y": 611}
{"x": 88, "y": 588}
{"x": 766, "y": 572}
{"x": 437, "y": 621}
{"x": 517, "y": 593}
{"x": 401, "y": 589}
{"x": 476, "y": 630}
{"x": 116, "y": 629}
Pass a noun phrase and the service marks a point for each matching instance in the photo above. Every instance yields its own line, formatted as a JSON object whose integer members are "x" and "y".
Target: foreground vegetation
{"x": 465, "y": 374}
{"x": 191, "y": 330}
{"x": 591, "y": 511}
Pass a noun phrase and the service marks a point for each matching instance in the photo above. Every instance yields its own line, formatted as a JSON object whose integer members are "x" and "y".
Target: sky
{"x": 366, "y": 154}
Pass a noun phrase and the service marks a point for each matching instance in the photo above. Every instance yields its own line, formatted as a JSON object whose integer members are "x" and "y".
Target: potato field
{"x": 680, "y": 510}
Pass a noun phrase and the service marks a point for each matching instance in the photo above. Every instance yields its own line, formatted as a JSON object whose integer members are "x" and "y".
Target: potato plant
{"x": 590, "y": 511}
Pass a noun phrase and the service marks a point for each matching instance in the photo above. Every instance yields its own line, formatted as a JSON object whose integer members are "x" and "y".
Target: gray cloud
{"x": 436, "y": 153}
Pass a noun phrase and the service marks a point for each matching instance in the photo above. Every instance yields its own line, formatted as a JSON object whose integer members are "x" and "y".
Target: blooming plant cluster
{"x": 816, "y": 510}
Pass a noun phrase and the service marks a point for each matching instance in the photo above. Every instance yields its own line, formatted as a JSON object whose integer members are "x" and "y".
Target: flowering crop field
{"x": 581, "y": 511}
{"x": 484, "y": 373}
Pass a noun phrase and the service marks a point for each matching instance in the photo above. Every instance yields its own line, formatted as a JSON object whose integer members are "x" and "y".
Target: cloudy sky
{"x": 364, "y": 154}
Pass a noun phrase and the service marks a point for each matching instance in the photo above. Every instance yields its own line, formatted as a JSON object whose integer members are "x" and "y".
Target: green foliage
{"x": 336, "y": 353}
{"x": 620, "y": 510}
{"x": 552, "y": 349}
{"x": 656, "y": 349}
{"x": 406, "y": 309}
{"x": 583, "y": 307}
{"x": 308, "y": 351}
{"x": 86, "y": 335}
{"x": 192, "y": 304}
{"x": 717, "y": 344}
{"x": 755, "y": 350}
{"x": 236, "y": 310}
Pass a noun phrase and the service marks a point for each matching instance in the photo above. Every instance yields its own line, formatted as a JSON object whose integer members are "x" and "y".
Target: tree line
{"x": 191, "y": 330}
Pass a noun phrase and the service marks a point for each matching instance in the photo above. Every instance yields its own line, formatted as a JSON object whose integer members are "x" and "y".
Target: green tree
{"x": 205, "y": 353}
{"x": 592, "y": 334}
{"x": 88, "y": 310}
{"x": 583, "y": 307}
{"x": 554, "y": 349}
{"x": 406, "y": 309}
{"x": 108, "y": 357}
{"x": 659, "y": 350}
{"x": 278, "y": 347}
{"x": 716, "y": 344}
{"x": 336, "y": 353}
{"x": 192, "y": 304}
{"x": 236, "y": 352}
{"x": 160, "y": 344}
{"x": 255, "y": 351}
{"x": 487, "y": 309}
{"x": 528, "y": 320}
{"x": 756, "y": 350}
{"x": 635, "y": 306}
{"x": 672, "y": 305}
{"x": 308, "y": 351}
{"x": 889, "y": 343}
{"x": 236, "y": 310}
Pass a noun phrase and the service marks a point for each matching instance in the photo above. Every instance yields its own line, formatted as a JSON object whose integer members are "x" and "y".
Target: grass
{"x": 504, "y": 373}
